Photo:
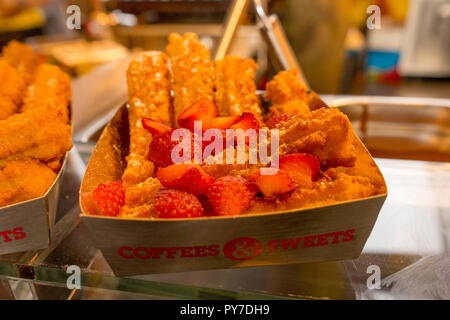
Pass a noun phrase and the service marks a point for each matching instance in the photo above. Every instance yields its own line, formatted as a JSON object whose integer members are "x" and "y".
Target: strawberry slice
{"x": 154, "y": 127}
{"x": 185, "y": 177}
{"x": 302, "y": 167}
{"x": 223, "y": 122}
{"x": 230, "y": 195}
{"x": 221, "y": 138}
{"x": 160, "y": 150}
{"x": 275, "y": 120}
{"x": 169, "y": 176}
{"x": 277, "y": 183}
{"x": 106, "y": 199}
{"x": 246, "y": 121}
{"x": 202, "y": 110}
{"x": 172, "y": 204}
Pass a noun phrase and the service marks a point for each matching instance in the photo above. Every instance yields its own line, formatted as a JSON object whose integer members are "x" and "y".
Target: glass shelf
{"x": 409, "y": 243}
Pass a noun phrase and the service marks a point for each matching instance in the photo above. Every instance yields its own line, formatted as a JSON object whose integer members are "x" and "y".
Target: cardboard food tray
{"x": 147, "y": 246}
{"x": 28, "y": 224}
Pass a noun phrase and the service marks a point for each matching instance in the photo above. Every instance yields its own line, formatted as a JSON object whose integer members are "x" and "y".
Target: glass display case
{"x": 408, "y": 247}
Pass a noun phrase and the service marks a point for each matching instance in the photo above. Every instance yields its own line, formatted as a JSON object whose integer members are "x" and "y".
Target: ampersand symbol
{"x": 242, "y": 249}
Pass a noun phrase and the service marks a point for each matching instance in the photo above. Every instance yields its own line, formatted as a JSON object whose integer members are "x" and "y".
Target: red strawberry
{"x": 174, "y": 204}
{"x": 276, "y": 183}
{"x": 223, "y": 122}
{"x": 106, "y": 199}
{"x": 160, "y": 151}
{"x": 230, "y": 195}
{"x": 275, "y": 120}
{"x": 202, "y": 110}
{"x": 185, "y": 177}
{"x": 154, "y": 127}
{"x": 246, "y": 121}
{"x": 302, "y": 167}
{"x": 221, "y": 137}
{"x": 207, "y": 207}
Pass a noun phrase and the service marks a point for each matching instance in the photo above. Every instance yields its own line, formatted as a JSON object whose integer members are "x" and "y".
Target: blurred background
{"x": 409, "y": 55}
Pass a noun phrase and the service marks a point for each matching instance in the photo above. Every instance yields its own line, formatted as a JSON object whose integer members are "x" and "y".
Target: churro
{"x": 192, "y": 71}
{"x": 235, "y": 87}
{"x": 149, "y": 97}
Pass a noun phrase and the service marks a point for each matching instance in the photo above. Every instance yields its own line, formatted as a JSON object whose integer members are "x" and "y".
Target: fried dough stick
{"x": 23, "y": 180}
{"x": 287, "y": 94}
{"x": 325, "y": 133}
{"x": 50, "y": 89}
{"x": 148, "y": 81}
{"x": 33, "y": 134}
{"x": 235, "y": 87}
{"x": 11, "y": 88}
{"x": 22, "y": 57}
{"x": 192, "y": 71}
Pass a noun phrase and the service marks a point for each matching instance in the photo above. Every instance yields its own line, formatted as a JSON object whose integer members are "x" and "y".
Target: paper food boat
{"x": 146, "y": 246}
{"x": 30, "y": 222}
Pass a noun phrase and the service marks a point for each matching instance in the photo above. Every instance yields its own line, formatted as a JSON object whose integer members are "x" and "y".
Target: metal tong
{"x": 272, "y": 32}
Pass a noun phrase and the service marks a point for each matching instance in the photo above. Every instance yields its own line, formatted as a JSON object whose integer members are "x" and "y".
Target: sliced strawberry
{"x": 246, "y": 121}
{"x": 299, "y": 166}
{"x": 154, "y": 127}
{"x": 186, "y": 177}
{"x": 202, "y": 110}
{"x": 106, "y": 199}
{"x": 222, "y": 139}
{"x": 169, "y": 176}
{"x": 223, "y": 122}
{"x": 174, "y": 204}
{"x": 230, "y": 195}
{"x": 160, "y": 151}
{"x": 195, "y": 181}
{"x": 276, "y": 183}
{"x": 275, "y": 120}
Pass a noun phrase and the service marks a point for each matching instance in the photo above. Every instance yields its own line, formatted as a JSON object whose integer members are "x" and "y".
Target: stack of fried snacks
{"x": 35, "y": 132}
